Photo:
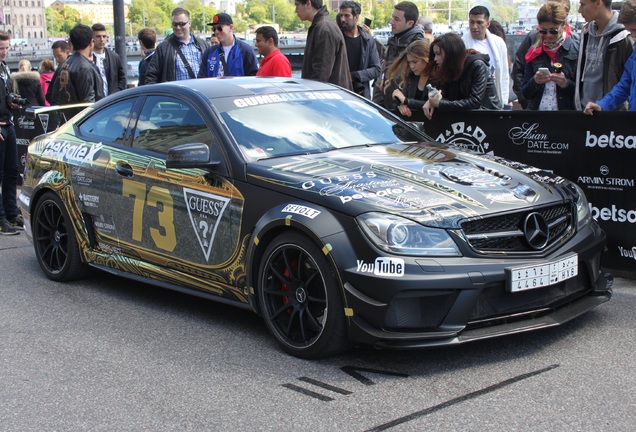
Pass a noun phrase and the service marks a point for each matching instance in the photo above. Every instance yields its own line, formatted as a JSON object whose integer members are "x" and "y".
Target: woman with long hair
{"x": 410, "y": 74}
{"x": 463, "y": 76}
{"x": 26, "y": 83}
{"x": 548, "y": 80}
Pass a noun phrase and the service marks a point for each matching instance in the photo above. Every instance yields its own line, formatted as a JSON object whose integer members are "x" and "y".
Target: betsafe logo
{"x": 613, "y": 140}
{"x": 613, "y": 214}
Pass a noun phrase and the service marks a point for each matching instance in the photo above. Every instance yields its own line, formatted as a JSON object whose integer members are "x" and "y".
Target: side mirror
{"x": 193, "y": 155}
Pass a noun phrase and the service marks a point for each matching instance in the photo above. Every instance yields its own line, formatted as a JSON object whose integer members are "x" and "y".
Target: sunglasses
{"x": 551, "y": 31}
{"x": 180, "y": 24}
{"x": 217, "y": 28}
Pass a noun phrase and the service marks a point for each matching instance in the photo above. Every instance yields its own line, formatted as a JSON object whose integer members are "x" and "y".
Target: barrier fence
{"x": 596, "y": 152}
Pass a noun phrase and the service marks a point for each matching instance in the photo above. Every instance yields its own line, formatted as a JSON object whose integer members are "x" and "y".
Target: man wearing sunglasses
{"x": 604, "y": 49}
{"x": 231, "y": 56}
{"x": 480, "y": 39}
{"x": 178, "y": 57}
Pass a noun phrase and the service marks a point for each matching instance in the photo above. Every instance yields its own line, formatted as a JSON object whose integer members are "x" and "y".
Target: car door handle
{"x": 124, "y": 169}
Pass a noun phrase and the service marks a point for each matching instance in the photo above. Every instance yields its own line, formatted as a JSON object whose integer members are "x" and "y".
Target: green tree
{"x": 282, "y": 12}
{"x": 63, "y": 20}
{"x": 502, "y": 12}
{"x": 381, "y": 13}
{"x": 149, "y": 12}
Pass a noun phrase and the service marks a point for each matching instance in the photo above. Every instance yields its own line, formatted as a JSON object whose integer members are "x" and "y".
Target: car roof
{"x": 241, "y": 86}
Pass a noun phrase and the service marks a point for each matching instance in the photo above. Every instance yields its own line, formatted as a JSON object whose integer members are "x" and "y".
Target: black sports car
{"x": 330, "y": 217}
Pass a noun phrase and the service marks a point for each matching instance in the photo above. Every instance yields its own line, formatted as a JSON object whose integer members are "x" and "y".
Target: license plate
{"x": 540, "y": 275}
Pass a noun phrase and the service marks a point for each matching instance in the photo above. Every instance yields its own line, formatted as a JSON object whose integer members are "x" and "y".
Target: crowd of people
{"x": 555, "y": 68}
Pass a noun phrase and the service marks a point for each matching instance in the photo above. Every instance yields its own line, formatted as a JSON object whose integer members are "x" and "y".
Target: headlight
{"x": 583, "y": 215}
{"x": 395, "y": 234}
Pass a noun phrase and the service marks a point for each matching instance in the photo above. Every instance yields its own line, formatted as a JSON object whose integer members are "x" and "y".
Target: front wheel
{"x": 54, "y": 240}
{"x": 300, "y": 299}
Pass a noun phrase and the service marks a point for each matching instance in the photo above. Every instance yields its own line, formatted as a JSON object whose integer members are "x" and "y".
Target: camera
{"x": 16, "y": 99}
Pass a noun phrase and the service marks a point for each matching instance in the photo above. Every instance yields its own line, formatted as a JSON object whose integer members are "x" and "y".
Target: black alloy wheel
{"x": 300, "y": 299}
{"x": 54, "y": 240}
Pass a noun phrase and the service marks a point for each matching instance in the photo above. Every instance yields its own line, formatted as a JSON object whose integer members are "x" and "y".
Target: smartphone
{"x": 367, "y": 22}
{"x": 544, "y": 71}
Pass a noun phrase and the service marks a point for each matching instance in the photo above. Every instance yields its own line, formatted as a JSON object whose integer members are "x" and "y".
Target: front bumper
{"x": 448, "y": 301}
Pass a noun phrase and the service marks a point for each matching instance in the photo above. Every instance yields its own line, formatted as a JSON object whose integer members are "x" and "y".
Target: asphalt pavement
{"x": 108, "y": 354}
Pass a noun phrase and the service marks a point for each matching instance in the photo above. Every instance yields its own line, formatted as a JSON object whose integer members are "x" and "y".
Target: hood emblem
{"x": 536, "y": 231}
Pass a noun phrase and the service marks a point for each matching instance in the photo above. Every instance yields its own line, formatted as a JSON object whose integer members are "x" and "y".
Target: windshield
{"x": 289, "y": 124}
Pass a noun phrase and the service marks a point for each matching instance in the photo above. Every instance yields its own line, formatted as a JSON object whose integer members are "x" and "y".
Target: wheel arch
{"x": 63, "y": 191}
{"x": 276, "y": 221}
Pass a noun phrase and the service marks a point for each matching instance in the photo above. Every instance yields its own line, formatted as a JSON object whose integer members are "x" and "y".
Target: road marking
{"x": 460, "y": 399}
{"x": 352, "y": 371}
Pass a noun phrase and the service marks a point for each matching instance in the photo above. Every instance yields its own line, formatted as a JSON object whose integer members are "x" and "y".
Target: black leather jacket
{"x": 78, "y": 80}
{"x": 475, "y": 88}
{"x": 162, "y": 66}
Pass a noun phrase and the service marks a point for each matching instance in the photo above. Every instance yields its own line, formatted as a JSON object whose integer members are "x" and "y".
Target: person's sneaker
{"x": 6, "y": 228}
{"x": 17, "y": 222}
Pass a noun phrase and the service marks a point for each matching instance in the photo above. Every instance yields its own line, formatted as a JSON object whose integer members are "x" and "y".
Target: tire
{"x": 300, "y": 298}
{"x": 54, "y": 240}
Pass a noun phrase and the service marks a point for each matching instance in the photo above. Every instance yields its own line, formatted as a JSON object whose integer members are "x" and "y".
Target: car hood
{"x": 435, "y": 184}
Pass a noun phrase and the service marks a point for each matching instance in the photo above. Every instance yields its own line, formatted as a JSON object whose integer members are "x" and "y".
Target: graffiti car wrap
{"x": 334, "y": 220}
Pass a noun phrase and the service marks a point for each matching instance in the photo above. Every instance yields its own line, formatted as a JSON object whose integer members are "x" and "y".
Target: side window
{"x": 165, "y": 122}
{"x": 108, "y": 124}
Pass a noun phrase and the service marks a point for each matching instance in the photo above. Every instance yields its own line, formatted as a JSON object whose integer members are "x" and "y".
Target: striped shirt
{"x": 193, "y": 54}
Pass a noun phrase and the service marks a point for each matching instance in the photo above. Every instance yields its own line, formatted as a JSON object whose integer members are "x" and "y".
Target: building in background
{"x": 23, "y": 19}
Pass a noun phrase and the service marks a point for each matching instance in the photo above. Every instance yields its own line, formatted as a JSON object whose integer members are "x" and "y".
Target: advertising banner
{"x": 596, "y": 152}
{"x": 34, "y": 121}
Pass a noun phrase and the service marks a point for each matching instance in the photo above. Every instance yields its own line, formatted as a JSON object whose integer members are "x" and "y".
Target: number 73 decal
{"x": 164, "y": 237}
{"x": 205, "y": 211}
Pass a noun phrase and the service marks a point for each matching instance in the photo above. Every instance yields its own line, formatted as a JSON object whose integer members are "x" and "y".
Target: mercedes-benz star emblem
{"x": 536, "y": 231}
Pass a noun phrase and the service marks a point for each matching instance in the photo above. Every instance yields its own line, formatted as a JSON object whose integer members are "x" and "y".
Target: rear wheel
{"x": 300, "y": 299}
{"x": 54, "y": 240}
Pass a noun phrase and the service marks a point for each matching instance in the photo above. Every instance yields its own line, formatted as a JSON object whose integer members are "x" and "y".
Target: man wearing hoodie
{"x": 404, "y": 29}
{"x": 604, "y": 49}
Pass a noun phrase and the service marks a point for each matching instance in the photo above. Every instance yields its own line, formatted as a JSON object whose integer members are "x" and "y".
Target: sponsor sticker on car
{"x": 541, "y": 275}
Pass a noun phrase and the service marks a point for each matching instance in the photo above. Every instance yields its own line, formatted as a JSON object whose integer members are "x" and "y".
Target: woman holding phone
{"x": 548, "y": 82}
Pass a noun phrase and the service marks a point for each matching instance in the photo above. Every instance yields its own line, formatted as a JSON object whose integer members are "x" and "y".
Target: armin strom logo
{"x": 466, "y": 137}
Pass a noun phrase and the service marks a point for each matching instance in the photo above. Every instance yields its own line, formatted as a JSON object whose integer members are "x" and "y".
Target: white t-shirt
{"x": 101, "y": 58}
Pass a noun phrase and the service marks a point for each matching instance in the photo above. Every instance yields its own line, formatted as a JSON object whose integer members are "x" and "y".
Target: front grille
{"x": 504, "y": 233}
{"x": 419, "y": 310}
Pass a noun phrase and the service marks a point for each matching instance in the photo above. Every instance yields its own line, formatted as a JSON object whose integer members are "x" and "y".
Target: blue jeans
{"x": 9, "y": 173}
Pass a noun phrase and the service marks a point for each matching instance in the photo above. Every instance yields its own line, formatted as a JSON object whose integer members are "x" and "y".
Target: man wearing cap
{"x": 178, "y": 57}
{"x": 231, "y": 56}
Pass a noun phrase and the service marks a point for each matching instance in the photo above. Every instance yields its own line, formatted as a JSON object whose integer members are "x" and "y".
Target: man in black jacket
{"x": 364, "y": 61}
{"x": 178, "y": 57}
{"x": 108, "y": 62}
{"x": 10, "y": 217}
{"x": 78, "y": 78}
